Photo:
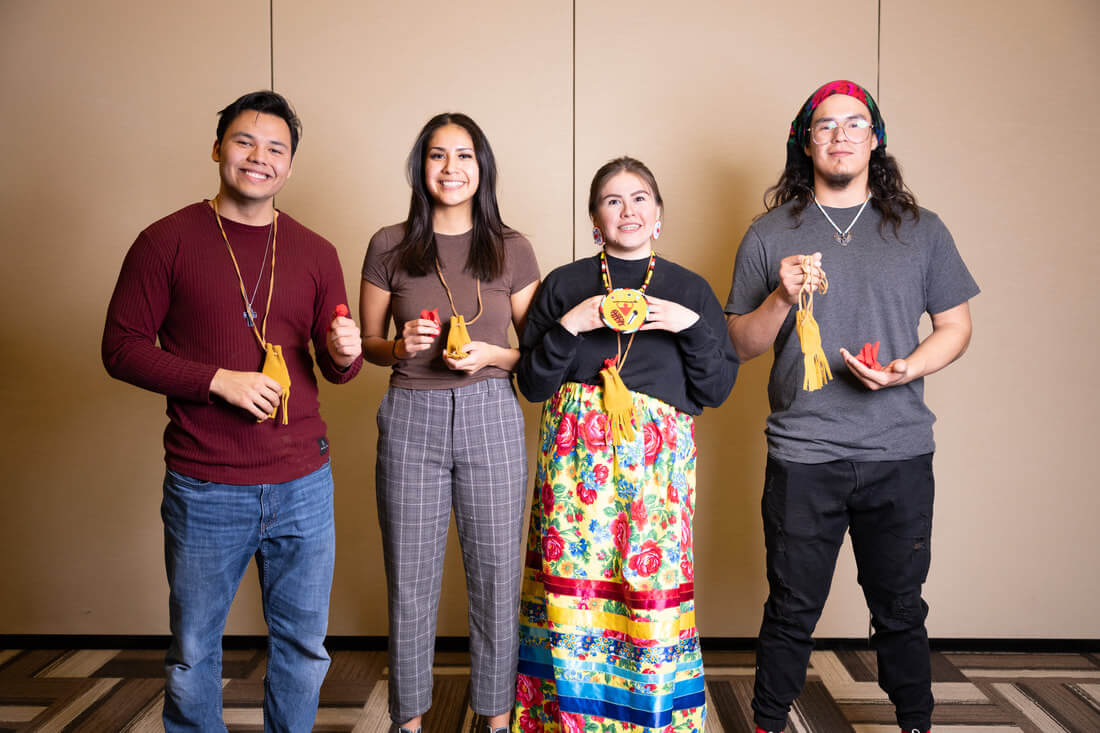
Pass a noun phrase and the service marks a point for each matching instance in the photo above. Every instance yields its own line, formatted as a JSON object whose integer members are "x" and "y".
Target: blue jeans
{"x": 210, "y": 533}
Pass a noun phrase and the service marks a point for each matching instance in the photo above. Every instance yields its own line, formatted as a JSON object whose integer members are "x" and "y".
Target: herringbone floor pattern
{"x": 103, "y": 690}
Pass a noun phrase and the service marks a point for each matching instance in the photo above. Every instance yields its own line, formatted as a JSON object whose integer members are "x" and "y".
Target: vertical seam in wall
{"x": 878, "y": 55}
{"x": 573, "y": 105}
{"x": 271, "y": 39}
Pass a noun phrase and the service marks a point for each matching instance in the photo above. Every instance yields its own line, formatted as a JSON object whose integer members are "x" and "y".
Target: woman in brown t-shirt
{"x": 450, "y": 428}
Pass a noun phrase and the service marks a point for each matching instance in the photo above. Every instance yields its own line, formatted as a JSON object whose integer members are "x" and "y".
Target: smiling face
{"x": 253, "y": 157}
{"x": 840, "y": 163}
{"x": 626, "y": 210}
{"x": 451, "y": 173}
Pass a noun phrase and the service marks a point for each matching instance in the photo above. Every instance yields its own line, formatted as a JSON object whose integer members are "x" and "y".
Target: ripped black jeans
{"x": 887, "y": 508}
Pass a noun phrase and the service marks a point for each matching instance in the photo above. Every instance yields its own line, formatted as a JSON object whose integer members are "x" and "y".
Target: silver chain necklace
{"x": 250, "y": 314}
{"x": 843, "y": 237}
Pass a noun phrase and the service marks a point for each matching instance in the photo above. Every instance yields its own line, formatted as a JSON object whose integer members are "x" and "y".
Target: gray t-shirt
{"x": 878, "y": 289}
{"x": 410, "y": 295}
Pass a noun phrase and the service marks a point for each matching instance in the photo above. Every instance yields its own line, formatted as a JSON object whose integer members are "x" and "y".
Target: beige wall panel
{"x": 365, "y": 78}
{"x": 704, "y": 92}
{"x": 992, "y": 109}
{"x": 109, "y": 119}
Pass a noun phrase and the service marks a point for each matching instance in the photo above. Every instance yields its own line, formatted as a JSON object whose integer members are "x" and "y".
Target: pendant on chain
{"x": 842, "y": 237}
{"x": 250, "y": 317}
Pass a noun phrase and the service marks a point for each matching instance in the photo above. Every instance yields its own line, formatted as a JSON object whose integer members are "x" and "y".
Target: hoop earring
{"x": 657, "y": 230}
{"x": 597, "y": 236}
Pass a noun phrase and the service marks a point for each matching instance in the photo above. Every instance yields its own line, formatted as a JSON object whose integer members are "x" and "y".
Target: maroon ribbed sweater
{"x": 178, "y": 284}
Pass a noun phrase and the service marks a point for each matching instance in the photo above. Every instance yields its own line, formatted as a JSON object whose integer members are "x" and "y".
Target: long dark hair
{"x": 890, "y": 197}
{"x": 416, "y": 252}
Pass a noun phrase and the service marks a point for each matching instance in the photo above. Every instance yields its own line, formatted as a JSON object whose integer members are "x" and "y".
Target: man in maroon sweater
{"x": 236, "y": 292}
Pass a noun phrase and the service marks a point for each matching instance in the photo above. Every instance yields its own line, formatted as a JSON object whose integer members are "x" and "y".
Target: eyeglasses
{"x": 857, "y": 130}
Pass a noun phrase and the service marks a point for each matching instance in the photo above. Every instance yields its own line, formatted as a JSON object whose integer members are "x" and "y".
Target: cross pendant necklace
{"x": 249, "y": 313}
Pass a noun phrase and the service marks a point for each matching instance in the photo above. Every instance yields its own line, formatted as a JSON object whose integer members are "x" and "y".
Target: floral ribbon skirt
{"x": 607, "y": 616}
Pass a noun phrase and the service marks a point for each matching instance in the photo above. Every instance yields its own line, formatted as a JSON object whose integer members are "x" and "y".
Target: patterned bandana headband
{"x": 799, "y": 135}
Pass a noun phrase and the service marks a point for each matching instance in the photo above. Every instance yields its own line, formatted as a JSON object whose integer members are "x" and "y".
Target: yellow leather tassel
{"x": 457, "y": 337}
{"x": 816, "y": 366}
{"x": 817, "y": 373}
{"x": 275, "y": 367}
{"x": 618, "y": 403}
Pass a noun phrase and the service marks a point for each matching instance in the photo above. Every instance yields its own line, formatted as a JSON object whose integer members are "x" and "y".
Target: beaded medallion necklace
{"x": 624, "y": 309}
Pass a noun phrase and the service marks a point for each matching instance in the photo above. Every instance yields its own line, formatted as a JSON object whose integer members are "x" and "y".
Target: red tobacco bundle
{"x": 868, "y": 356}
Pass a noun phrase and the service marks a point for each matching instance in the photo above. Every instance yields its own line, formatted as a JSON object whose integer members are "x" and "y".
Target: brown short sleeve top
{"x": 410, "y": 295}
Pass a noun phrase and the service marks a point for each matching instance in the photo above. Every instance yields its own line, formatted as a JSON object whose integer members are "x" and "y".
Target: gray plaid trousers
{"x": 438, "y": 449}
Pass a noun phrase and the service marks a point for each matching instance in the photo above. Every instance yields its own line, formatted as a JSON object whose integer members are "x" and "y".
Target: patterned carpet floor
{"x": 102, "y": 690}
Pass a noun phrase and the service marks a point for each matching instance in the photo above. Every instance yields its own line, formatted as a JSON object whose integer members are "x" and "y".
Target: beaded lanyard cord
{"x": 618, "y": 403}
{"x": 457, "y": 335}
{"x": 274, "y": 364}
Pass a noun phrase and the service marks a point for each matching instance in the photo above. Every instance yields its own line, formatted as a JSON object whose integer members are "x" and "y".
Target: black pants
{"x": 887, "y": 508}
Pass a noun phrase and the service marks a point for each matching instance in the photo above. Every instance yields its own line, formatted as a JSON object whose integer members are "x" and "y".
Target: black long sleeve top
{"x": 689, "y": 370}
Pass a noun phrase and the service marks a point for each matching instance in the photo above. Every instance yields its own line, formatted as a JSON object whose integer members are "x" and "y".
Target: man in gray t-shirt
{"x": 854, "y": 454}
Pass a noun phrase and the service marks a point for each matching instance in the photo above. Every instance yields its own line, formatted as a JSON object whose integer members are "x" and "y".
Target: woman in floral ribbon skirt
{"x": 607, "y": 623}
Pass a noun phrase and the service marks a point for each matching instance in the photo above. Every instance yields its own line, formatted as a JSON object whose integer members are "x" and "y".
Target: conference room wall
{"x": 112, "y": 112}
